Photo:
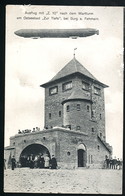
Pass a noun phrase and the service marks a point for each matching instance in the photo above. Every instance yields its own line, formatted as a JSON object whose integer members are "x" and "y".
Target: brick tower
{"x": 74, "y": 98}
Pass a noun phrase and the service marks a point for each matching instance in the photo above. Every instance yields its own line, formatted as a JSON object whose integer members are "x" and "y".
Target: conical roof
{"x": 74, "y": 66}
{"x": 77, "y": 94}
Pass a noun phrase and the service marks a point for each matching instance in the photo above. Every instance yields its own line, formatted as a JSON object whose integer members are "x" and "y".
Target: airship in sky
{"x": 56, "y": 33}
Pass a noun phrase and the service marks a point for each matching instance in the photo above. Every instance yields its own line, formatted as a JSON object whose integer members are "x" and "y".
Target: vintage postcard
{"x": 63, "y": 99}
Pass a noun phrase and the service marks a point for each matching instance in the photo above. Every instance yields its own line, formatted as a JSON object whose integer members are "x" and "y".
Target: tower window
{"x": 53, "y": 90}
{"x": 92, "y": 130}
{"x": 97, "y": 91}
{"x": 85, "y": 85}
{"x": 49, "y": 115}
{"x": 67, "y": 86}
{"x": 68, "y": 126}
{"x": 87, "y": 108}
{"x": 78, "y": 107}
{"x": 100, "y": 116}
{"x": 98, "y": 147}
{"x": 100, "y": 134}
{"x": 67, "y": 108}
{"x": 93, "y": 113}
{"x": 78, "y": 128}
{"x": 59, "y": 113}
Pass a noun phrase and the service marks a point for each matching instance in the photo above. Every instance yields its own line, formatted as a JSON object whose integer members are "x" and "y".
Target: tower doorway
{"x": 81, "y": 154}
{"x": 34, "y": 150}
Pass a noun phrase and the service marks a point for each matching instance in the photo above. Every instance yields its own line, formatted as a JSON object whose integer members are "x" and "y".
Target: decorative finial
{"x": 74, "y": 52}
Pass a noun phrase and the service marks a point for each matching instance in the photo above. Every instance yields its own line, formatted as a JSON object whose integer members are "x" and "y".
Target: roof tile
{"x": 72, "y": 67}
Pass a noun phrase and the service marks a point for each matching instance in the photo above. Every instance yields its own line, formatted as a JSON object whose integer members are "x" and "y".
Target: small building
{"x": 74, "y": 128}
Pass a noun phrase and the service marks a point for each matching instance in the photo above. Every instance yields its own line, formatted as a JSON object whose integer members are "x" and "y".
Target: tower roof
{"x": 77, "y": 94}
{"x": 73, "y": 67}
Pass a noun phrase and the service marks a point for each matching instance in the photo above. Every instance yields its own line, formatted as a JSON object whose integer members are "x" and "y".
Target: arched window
{"x": 49, "y": 115}
{"x": 78, "y": 107}
{"x": 67, "y": 108}
{"x": 68, "y": 126}
{"x": 87, "y": 108}
{"x": 82, "y": 147}
{"x": 93, "y": 113}
{"x": 59, "y": 113}
{"x": 78, "y": 128}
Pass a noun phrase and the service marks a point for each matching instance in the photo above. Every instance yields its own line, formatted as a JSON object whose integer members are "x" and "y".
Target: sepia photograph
{"x": 63, "y": 129}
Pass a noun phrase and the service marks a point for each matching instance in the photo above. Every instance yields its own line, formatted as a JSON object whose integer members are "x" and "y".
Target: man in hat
{"x": 41, "y": 161}
{"x": 13, "y": 163}
{"x": 53, "y": 162}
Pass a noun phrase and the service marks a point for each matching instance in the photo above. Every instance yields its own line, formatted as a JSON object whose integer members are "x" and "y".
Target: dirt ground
{"x": 94, "y": 181}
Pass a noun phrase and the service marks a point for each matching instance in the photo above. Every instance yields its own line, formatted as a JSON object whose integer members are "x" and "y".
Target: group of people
{"x": 110, "y": 163}
{"x": 44, "y": 161}
{"x": 39, "y": 161}
{"x": 28, "y": 130}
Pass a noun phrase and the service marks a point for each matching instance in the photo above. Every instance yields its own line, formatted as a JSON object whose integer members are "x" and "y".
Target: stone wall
{"x": 79, "y": 117}
{"x": 64, "y": 144}
{"x": 53, "y": 104}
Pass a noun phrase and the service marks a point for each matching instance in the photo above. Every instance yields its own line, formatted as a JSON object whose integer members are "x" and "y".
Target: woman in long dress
{"x": 46, "y": 161}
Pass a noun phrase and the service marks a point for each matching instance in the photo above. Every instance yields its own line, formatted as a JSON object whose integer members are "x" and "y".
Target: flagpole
{"x": 74, "y": 52}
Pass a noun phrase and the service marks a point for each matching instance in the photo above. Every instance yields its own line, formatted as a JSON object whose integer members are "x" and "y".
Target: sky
{"x": 32, "y": 62}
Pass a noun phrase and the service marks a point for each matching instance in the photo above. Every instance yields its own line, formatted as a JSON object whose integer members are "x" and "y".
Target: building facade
{"x": 74, "y": 129}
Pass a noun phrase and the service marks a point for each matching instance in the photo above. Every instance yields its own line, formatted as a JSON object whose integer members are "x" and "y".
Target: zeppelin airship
{"x": 56, "y": 33}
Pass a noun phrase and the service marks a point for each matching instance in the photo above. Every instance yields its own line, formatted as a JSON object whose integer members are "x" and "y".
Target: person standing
{"x": 41, "y": 161}
{"x": 53, "y": 162}
{"x": 107, "y": 163}
{"x": 13, "y": 163}
{"x": 36, "y": 161}
{"x": 119, "y": 163}
{"x": 31, "y": 160}
{"x": 111, "y": 163}
{"x": 47, "y": 160}
{"x": 4, "y": 163}
{"x": 114, "y": 163}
